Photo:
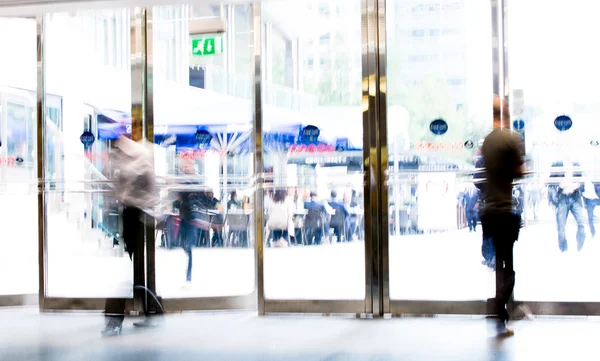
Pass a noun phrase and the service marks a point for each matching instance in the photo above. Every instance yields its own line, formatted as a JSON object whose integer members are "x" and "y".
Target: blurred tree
{"x": 333, "y": 84}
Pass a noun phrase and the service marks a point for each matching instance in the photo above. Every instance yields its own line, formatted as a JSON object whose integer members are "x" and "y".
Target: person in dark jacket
{"x": 340, "y": 221}
{"x": 317, "y": 220}
{"x": 189, "y": 205}
{"x": 471, "y": 204}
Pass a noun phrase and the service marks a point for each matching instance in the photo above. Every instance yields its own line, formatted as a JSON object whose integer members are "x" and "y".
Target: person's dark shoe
{"x": 149, "y": 322}
{"x": 112, "y": 329}
{"x": 504, "y": 331}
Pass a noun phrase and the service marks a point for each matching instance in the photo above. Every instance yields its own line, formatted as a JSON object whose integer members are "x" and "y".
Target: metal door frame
{"x": 430, "y": 307}
{"x": 370, "y": 305}
{"x": 240, "y": 302}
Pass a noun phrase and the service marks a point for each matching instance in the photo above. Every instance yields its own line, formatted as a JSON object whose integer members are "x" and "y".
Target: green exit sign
{"x": 208, "y": 45}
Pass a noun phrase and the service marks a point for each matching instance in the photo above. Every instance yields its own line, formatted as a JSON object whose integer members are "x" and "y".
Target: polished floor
{"x": 27, "y": 335}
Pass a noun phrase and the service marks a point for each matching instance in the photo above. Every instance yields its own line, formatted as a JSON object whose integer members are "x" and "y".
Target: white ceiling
{"x": 29, "y": 8}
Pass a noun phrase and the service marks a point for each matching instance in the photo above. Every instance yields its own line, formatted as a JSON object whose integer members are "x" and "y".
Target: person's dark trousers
{"x": 503, "y": 228}
{"x": 133, "y": 236}
{"x": 217, "y": 238}
{"x": 279, "y": 233}
{"x": 314, "y": 236}
{"x": 189, "y": 238}
{"x": 565, "y": 205}
{"x": 590, "y": 205}
{"x": 472, "y": 219}
{"x": 337, "y": 232}
{"x": 488, "y": 251}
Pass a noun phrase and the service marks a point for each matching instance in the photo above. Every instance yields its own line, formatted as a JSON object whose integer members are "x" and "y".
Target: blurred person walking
{"x": 503, "y": 155}
{"x": 280, "y": 218}
{"x": 136, "y": 191}
{"x": 189, "y": 205}
{"x": 566, "y": 197}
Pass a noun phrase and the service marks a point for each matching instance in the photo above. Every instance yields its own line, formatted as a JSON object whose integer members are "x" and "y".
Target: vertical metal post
{"x": 258, "y": 156}
{"x": 138, "y": 83}
{"x": 499, "y": 63}
{"x": 41, "y": 157}
{"x": 148, "y": 122}
{"x": 368, "y": 32}
{"x": 382, "y": 136}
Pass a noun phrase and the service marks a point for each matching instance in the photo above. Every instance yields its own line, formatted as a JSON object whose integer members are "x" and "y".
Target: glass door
{"x": 313, "y": 188}
{"x": 554, "y": 104}
{"x": 87, "y": 87}
{"x": 203, "y": 121}
{"x": 439, "y": 98}
{"x": 18, "y": 163}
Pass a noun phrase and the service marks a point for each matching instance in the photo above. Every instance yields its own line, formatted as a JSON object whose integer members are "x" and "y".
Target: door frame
{"x": 370, "y": 305}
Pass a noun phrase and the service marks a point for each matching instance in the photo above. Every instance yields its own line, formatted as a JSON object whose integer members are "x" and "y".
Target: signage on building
{"x": 310, "y": 133}
{"x": 207, "y": 45}
{"x": 563, "y": 123}
{"x": 97, "y": 156}
{"x": 438, "y": 126}
{"x": 311, "y": 148}
{"x": 327, "y": 160}
{"x": 87, "y": 138}
{"x": 170, "y": 140}
{"x": 519, "y": 124}
{"x": 440, "y": 146}
{"x": 203, "y": 137}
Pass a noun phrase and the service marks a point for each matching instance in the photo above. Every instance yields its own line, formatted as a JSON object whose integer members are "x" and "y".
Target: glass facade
{"x": 332, "y": 146}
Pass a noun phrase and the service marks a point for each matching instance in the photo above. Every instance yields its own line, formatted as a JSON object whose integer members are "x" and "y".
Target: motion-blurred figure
{"x": 340, "y": 220}
{"x": 591, "y": 198}
{"x": 471, "y": 204}
{"x": 189, "y": 204}
{"x": 317, "y": 220}
{"x": 566, "y": 197}
{"x": 136, "y": 190}
{"x": 503, "y": 154}
{"x": 280, "y": 218}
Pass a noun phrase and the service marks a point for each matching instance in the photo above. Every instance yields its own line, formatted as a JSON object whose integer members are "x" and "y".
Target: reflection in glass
{"x": 439, "y": 93}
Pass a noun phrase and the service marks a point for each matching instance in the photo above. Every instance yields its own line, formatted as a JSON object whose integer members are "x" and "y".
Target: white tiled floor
{"x": 27, "y": 335}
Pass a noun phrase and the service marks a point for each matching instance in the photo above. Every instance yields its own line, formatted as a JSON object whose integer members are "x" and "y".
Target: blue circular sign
{"x": 203, "y": 137}
{"x": 87, "y": 138}
{"x": 438, "y": 126}
{"x": 563, "y": 123}
{"x": 310, "y": 133}
{"x": 519, "y": 124}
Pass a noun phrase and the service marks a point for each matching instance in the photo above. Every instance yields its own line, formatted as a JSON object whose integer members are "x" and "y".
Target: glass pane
{"x": 18, "y": 173}
{"x": 313, "y": 140}
{"x": 554, "y": 93}
{"x": 439, "y": 94}
{"x": 203, "y": 128}
{"x": 86, "y": 255}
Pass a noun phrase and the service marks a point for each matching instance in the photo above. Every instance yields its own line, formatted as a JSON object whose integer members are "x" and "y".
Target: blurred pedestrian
{"x": 136, "y": 191}
{"x": 503, "y": 154}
